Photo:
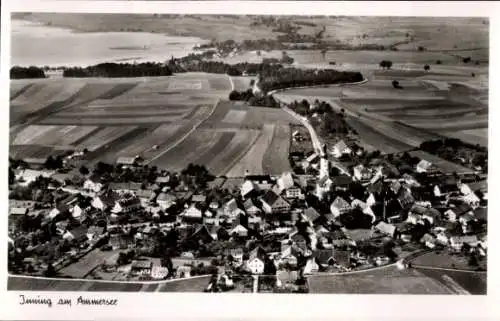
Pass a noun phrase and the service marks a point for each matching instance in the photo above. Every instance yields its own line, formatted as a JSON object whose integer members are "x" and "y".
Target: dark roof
{"x": 462, "y": 209}
{"x": 79, "y": 231}
{"x": 323, "y": 256}
{"x": 377, "y": 188}
{"x": 479, "y": 186}
{"x": 258, "y": 178}
{"x": 270, "y": 197}
{"x": 298, "y": 238}
{"x": 311, "y": 214}
{"x": 481, "y": 213}
{"x": 258, "y": 252}
{"x": 97, "y": 230}
{"x": 335, "y": 235}
{"x": 141, "y": 264}
{"x": 342, "y": 180}
{"x": 125, "y": 186}
{"x": 432, "y": 212}
{"x": 342, "y": 258}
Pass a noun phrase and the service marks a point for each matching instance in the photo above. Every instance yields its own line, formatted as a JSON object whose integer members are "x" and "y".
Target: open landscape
{"x": 272, "y": 154}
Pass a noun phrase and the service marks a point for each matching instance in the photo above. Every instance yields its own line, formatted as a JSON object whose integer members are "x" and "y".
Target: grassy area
{"x": 186, "y": 285}
{"x": 474, "y": 283}
{"x": 446, "y": 260}
{"x": 87, "y": 263}
{"x": 383, "y": 281}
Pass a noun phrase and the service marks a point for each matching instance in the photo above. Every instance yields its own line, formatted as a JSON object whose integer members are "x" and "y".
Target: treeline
{"x": 293, "y": 77}
{"x": 115, "y": 70}
{"x": 17, "y": 72}
{"x": 252, "y": 100}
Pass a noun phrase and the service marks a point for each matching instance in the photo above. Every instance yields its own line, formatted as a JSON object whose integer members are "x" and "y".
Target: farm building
{"x": 340, "y": 149}
{"x": 256, "y": 261}
{"x": 273, "y": 203}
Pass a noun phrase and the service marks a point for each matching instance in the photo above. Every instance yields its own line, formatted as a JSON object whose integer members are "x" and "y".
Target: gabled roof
{"x": 342, "y": 258}
{"x": 386, "y": 228}
{"x": 432, "y": 212}
{"x": 339, "y": 202}
{"x": 167, "y": 197}
{"x": 462, "y": 209}
{"x": 464, "y": 239}
{"x": 270, "y": 197}
{"x": 18, "y": 211}
{"x": 481, "y": 213}
{"x": 231, "y": 205}
{"x": 341, "y": 180}
{"x": 198, "y": 198}
{"x": 79, "y": 231}
{"x": 423, "y": 164}
{"x": 418, "y": 209}
{"x": 311, "y": 214}
{"x": 340, "y": 145}
{"x": 259, "y": 253}
{"x": 125, "y": 186}
{"x": 323, "y": 256}
{"x": 286, "y": 180}
{"x": 427, "y": 238}
{"x": 359, "y": 234}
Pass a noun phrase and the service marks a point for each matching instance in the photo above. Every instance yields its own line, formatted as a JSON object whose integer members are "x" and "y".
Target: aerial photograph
{"x": 248, "y": 154}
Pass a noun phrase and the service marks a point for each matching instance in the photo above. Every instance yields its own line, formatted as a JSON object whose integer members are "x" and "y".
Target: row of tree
{"x": 115, "y": 70}
{"x": 252, "y": 100}
{"x": 17, "y": 72}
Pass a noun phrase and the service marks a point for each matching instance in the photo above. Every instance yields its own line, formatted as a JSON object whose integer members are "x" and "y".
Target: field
{"x": 196, "y": 284}
{"x": 443, "y": 260}
{"x": 443, "y": 165}
{"x": 474, "y": 283}
{"x": 383, "y": 281}
{"x": 160, "y": 119}
{"x": 87, "y": 263}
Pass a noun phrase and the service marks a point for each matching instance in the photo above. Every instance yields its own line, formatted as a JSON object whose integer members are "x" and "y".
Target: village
{"x": 128, "y": 222}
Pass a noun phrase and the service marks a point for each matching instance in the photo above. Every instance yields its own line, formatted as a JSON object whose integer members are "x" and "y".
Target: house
{"x": 184, "y": 271}
{"x": 324, "y": 258}
{"x": 255, "y": 222}
{"x": 125, "y": 188}
{"x": 248, "y": 188}
{"x": 93, "y": 184}
{"x": 104, "y": 200}
{"x": 405, "y": 197}
{"x": 423, "y": 166}
{"x": 77, "y": 235}
{"x": 358, "y": 235}
{"x": 95, "y": 232}
{"x": 263, "y": 182}
{"x": 285, "y": 181}
{"x": 201, "y": 233}
{"x": 161, "y": 180}
{"x": 165, "y": 200}
{"x": 145, "y": 196}
{"x": 121, "y": 241}
{"x": 340, "y": 149}
{"x": 250, "y": 207}
{"x": 361, "y": 173}
{"x": 445, "y": 189}
{"x": 416, "y": 213}
{"x": 428, "y": 240}
{"x": 432, "y": 215}
{"x": 311, "y": 214}
{"x": 129, "y": 161}
{"x": 293, "y": 192}
{"x": 457, "y": 242}
{"x": 192, "y": 212}
{"x": 339, "y": 206}
{"x": 199, "y": 199}
{"x": 341, "y": 182}
{"x": 323, "y": 186}
{"x": 256, "y": 261}
{"x": 127, "y": 205}
{"x": 471, "y": 199}
{"x": 289, "y": 255}
{"x": 76, "y": 211}
{"x": 16, "y": 214}
{"x": 159, "y": 272}
{"x": 239, "y": 230}
{"x": 286, "y": 277}
{"x": 311, "y": 159}
{"x": 454, "y": 213}
{"x": 27, "y": 176}
{"x": 273, "y": 203}
{"x": 385, "y": 228}
{"x": 311, "y": 266}
{"x": 141, "y": 267}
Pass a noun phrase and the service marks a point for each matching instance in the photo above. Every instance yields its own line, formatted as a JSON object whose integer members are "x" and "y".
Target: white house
{"x": 323, "y": 186}
{"x": 428, "y": 240}
{"x": 239, "y": 230}
{"x": 273, "y": 203}
{"x": 457, "y": 242}
{"x": 247, "y": 187}
{"x": 92, "y": 186}
{"x": 192, "y": 212}
{"x": 370, "y": 201}
{"x": 361, "y": 173}
{"x": 341, "y": 148}
{"x": 339, "y": 206}
{"x": 165, "y": 200}
{"x": 423, "y": 166}
{"x": 471, "y": 199}
{"x": 159, "y": 272}
{"x": 256, "y": 261}
{"x": 76, "y": 211}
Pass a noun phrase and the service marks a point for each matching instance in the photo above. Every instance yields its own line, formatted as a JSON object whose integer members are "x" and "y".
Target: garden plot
{"x": 177, "y": 158}
{"x": 104, "y": 137}
{"x": 58, "y": 135}
{"x": 234, "y": 117}
{"x": 242, "y": 141}
{"x": 252, "y": 161}
{"x": 275, "y": 160}
{"x": 382, "y": 281}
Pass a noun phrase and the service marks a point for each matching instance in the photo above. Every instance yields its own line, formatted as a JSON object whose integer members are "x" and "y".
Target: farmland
{"x": 15, "y": 283}
{"x": 160, "y": 119}
{"x": 383, "y": 281}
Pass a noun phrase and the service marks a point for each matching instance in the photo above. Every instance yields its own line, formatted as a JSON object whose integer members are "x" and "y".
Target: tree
{"x": 421, "y": 48}
{"x": 386, "y": 64}
{"x": 427, "y": 67}
{"x": 234, "y": 95}
{"x": 396, "y": 85}
{"x": 438, "y": 62}
{"x": 466, "y": 60}
{"x": 84, "y": 170}
{"x": 50, "y": 271}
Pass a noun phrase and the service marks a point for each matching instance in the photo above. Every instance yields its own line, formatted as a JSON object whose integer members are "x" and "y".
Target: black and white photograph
{"x": 228, "y": 153}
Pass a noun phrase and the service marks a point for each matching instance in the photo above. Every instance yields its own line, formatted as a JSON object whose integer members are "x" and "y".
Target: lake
{"x": 40, "y": 45}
